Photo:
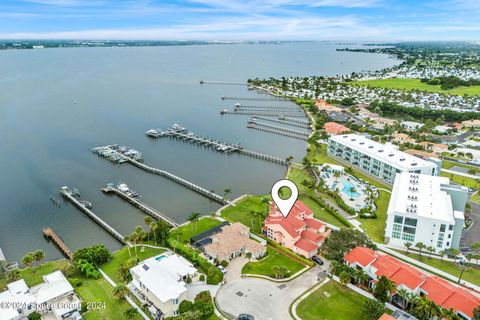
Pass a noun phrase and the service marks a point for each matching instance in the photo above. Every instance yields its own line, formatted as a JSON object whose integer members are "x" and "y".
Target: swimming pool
{"x": 347, "y": 185}
{"x": 160, "y": 257}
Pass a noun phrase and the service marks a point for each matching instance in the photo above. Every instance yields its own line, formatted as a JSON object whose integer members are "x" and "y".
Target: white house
{"x": 425, "y": 209}
{"x": 411, "y": 125}
{"x": 161, "y": 282}
{"x": 54, "y": 299}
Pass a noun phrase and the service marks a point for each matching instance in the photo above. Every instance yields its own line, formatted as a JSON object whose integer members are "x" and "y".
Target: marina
{"x": 268, "y": 107}
{"x": 282, "y": 121}
{"x": 132, "y": 197}
{"x": 73, "y": 196}
{"x": 51, "y": 235}
{"x": 184, "y": 135}
{"x": 281, "y": 133}
{"x": 123, "y": 158}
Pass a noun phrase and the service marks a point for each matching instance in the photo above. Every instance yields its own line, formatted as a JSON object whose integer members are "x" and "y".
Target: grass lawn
{"x": 471, "y": 274}
{"x": 122, "y": 255}
{"x": 375, "y": 227}
{"x": 416, "y": 84}
{"x": 449, "y": 164}
{"x": 466, "y": 181}
{"x": 241, "y": 212}
{"x": 298, "y": 175}
{"x": 185, "y": 232}
{"x": 273, "y": 258}
{"x": 100, "y": 291}
{"x": 475, "y": 198}
{"x": 342, "y": 304}
{"x": 320, "y": 213}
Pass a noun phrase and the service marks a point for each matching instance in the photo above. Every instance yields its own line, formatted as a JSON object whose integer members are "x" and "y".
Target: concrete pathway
{"x": 458, "y": 173}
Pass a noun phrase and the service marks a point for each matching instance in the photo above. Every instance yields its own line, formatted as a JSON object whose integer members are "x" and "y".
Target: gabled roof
{"x": 306, "y": 245}
{"x": 361, "y": 255}
{"x": 311, "y": 236}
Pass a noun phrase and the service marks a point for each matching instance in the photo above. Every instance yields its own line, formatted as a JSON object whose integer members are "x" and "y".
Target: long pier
{"x": 282, "y": 133}
{"x": 67, "y": 193}
{"x": 284, "y": 122}
{"x": 271, "y": 126}
{"x": 300, "y": 121}
{"x": 223, "y": 82}
{"x": 183, "y": 135}
{"x": 200, "y": 190}
{"x": 50, "y": 234}
{"x": 263, "y": 106}
{"x": 254, "y": 99}
{"x": 264, "y": 113}
{"x": 111, "y": 188}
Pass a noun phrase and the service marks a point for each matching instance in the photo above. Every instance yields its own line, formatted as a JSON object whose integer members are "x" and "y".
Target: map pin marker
{"x": 285, "y": 205}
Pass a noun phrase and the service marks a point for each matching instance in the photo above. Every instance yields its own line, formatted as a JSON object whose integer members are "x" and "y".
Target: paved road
{"x": 264, "y": 299}
{"x": 458, "y": 173}
{"x": 471, "y": 235}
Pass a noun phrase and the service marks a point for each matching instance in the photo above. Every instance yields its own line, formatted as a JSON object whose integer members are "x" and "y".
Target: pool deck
{"x": 344, "y": 182}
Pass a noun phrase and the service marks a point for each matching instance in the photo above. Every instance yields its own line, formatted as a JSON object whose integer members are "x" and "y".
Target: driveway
{"x": 264, "y": 299}
{"x": 471, "y": 235}
{"x": 234, "y": 269}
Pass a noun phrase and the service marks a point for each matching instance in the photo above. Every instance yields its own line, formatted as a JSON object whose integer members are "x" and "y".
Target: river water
{"x": 45, "y": 138}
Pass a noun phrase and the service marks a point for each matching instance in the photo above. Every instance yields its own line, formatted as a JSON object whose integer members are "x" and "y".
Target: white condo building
{"x": 425, "y": 209}
{"x": 161, "y": 282}
{"x": 382, "y": 161}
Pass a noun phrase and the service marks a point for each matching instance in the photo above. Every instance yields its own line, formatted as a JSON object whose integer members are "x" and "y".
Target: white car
{"x": 222, "y": 269}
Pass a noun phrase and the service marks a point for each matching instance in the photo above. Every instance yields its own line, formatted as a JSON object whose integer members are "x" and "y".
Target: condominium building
{"x": 425, "y": 209}
{"x": 379, "y": 160}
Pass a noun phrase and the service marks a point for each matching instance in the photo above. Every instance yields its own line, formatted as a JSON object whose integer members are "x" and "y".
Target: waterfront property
{"x": 379, "y": 160}
{"x": 53, "y": 299}
{"x": 230, "y": 242}
{"x": 429, "y": 205}
{"x": 299, "y": 231}
{"x": 434, "y": 288}
{"x": 162, "y": 282}
{"x": 333, "y": 128}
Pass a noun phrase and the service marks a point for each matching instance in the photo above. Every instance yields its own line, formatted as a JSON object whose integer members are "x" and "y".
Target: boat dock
{"x": 184, "y": 135}
{"x": 122, "y": 191}
{"x": 200, "y": 190}
{"x": 279, "y": 128}
{"x": 72, "y": 195}
{"x": 223, "y": 82}
{"x": 268, "y": 107}
{"x": 300, "y": 121}
{"x": 118, "y": 154}
{"x": 50, "y": 234}
{"x": 268, "y": 113}
{"x": 254, "y": 99}
{"x": 284, "y": 122}
{"x": 282, "y": 133}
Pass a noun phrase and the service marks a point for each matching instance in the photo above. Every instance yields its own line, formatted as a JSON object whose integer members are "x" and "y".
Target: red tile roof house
{"x": 334, "y": 128}
{"x": 436, "y": 289}
{"x": 299, "y": 232}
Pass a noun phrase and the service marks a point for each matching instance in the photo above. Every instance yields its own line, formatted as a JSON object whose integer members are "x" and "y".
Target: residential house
{"x": 54, "y": 298}
{"x": 443, "y": 293}
{"x": 299, "y": 231}
{"x": 400, "y": 138}
{"x": 471, "y": 123}
{"x": 333, "y": 128}
{"x": 231, "y": 242}
{"x": 411, "y": 125}
{"x": 161, "y": 282}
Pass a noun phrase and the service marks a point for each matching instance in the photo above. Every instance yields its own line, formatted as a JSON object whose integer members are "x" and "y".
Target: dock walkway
{"x": 139, "y": 205}
{"x": 284, "y": 122}
{"x": 268, "y": 107}
{"x": 278, "y": 99}
{"x": 67, "y": 193}
{"x": 279, "y": 128}
{"x": 198, "y": 189}
{"x": 50, "y": 234}
{"x": 225, "y": 147}
{"x": 264, "y": 113}
{"x": 282, "y": 133}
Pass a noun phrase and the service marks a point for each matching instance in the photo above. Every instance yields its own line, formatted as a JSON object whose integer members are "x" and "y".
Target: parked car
{"x": 317, "y": 260}
{"x": 222, "y": 268}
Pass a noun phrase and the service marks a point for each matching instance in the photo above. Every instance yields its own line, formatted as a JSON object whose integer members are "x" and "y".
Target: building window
{"x": 396, "y": 234}
{"x": 398, "y": 219}
{"x": 440, "y": 240}
{"x": 450, "y": 227}
{"x": 408, "y": 237}
{"x": 409, "y": 230}
{"x": 175, "y": 301}
{"x": 442, "y": 228}
{"x": 411, "y": 222}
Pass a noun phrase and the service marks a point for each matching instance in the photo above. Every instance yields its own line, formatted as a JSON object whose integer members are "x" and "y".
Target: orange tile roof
{"x": 311, "y": 236}
{"x": 306, "y": 245}
{"x": 322, "y": 103}
{"x": 314, "y": 223}
{"x": 361, "y": 255}
{"x": 335, "y": 128}
{"x": 386, "y": 317}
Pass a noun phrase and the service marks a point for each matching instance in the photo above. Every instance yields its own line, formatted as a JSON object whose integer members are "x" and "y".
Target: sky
{"x": 335, "y": 20}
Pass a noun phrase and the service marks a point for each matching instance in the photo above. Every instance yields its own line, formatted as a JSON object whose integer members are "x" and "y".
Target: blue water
{"x": 160, "y": 257}
{"x": 346, "y": 189}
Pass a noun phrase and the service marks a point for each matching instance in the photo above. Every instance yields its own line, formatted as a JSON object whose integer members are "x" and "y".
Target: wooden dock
{"x": 284, "y": 122}
{"x": 264, "y": 113}
{"x": 278, "y": 128}
{"x": 223, "y": 82}
{"x": 139, "y": 205}
{"x": 50, "y": 234}
{"x": 278, "y": 99}
{"x": 282, "y": 133}
{"x": 198, "y": 189}
{"x": 66, "y": 192}
{"x": 267, "y": 107}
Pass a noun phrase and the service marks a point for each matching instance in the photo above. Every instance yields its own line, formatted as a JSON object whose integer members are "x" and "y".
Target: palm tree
{"x": 134, "y": 240}
{"x": 345, "y": 277}
{"x": 469, "y": 256}
{"x": 153, "y": 229}
{"x": 336, "y": 174}
{"x": 193, "y": 218}
{"x": 288, "y": 160}
{"x": 402, "y": 293}
{"x": 407, "y": 245}
{"x": 131, "y": 314}
{"x": 28, "y": 259}
{"x": 420, "y": 246}
{"x": 248, "y": 255}
{"x": 38, "y": 256}
{"x": 120, "y": 291}
{"x": 442, "y": 254}
{"x": 148, "y": 221}
{"x": 337, "y": 267}
{"x": 226, "y": 192}
{"x": 430, "y": 250}
{"x": 352, "y": 191}
{"x": 127, "y": 240}
{"x": 349, "y": 170}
